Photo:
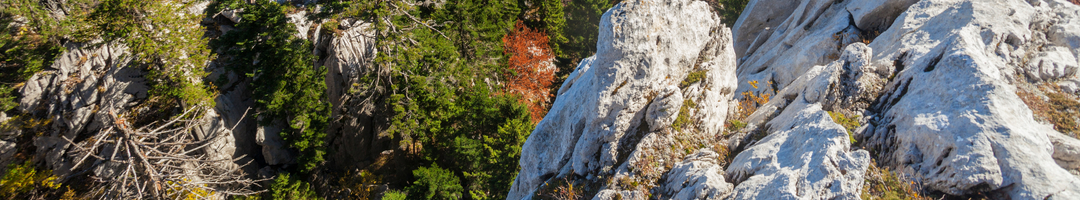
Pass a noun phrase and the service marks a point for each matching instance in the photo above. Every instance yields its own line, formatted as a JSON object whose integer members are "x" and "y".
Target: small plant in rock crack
{"x": 752, "y": 100}
{"x": 883, "y": 183}
{"x": 850, "y": 124}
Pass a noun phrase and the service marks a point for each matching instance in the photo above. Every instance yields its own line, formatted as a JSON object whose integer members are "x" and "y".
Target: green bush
{"x": 22, "y": 178}
{"x": 435, "y": 183}
{"x": 23, "y": 52}
{"x": 394, "y": 195}
{"x": 285, "y": 187}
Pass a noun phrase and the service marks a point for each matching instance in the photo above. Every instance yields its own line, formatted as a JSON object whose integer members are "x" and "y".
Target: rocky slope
{"x": 933, "y": 83}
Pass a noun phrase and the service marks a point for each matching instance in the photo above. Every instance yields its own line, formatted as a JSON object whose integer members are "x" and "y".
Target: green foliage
{"x": 442, "y": 109}
{"x": 554, "y": 23}
{"x": 734, "y": 125}
{"x": 479, "y": 25}
{"x": 581, "y": 36}
{"x": 692, "y": 78}
{"x": 394, "y": 195}
{"x": 285, "y": 187}
{"x": 22, "y": 178}
{"x": 435, "y": 183}
{"x": 684, "y": 115}
{"x": 731, "y": 9}
{"x": 169, "y": 42}
{"x": 850, "y": 124}
{"x": 23, "y": 52}
{"x": 286, "y": 85}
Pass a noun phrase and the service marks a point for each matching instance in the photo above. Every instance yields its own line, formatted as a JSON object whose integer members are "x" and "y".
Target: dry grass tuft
{"x": 883, "y": 183}
{"x": 1060, "y": 109}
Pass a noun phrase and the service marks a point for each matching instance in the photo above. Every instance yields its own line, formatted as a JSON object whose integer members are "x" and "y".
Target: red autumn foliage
{"x": 531, "y": 60}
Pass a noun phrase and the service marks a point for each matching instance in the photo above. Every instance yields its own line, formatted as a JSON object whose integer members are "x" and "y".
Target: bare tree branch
{"x": 161, "y": 162}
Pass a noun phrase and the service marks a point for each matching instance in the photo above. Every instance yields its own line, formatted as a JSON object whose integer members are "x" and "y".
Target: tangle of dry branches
{"x": 159, "y": 161}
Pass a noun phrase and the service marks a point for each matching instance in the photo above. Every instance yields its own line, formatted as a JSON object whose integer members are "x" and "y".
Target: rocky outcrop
{"x": 78, "y": 92}
{"x": 658, "y": 88}
{"x": 809, "y": 158}
{"x": 801, "y": 141}
{"x": 357, "y": 121}
{"x": 946, "y": 110}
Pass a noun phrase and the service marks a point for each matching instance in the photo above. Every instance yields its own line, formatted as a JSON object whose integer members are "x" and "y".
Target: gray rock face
{"x": 604, "y": 121}
{"x": 274, "y": 149}
{"x": 948, "y": 112}
{"x": 355, "y": 128}
{"x": 78, "y": 91}
{"x": 7, "y": 153}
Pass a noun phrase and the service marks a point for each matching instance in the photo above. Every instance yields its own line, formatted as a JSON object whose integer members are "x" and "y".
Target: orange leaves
{"x": 752, "y": 100}
{"x": 533, "y": 70}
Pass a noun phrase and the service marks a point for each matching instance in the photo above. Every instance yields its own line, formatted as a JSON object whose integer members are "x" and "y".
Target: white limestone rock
{"x": 1066, "y": 152}
{"x": 665, "y": 108}
{"x": 78, "y": 92}
{"x": 975, "y": 134}
{"x": 948, "y": 112}
{"x": 233, "y": 14}
{"x": 951, "y": 115}
{"x": 1054, "y": 63}
{"x": 698, "y": 176}
{"x": 598, "y": 124}
{"x": 808, "y": 158}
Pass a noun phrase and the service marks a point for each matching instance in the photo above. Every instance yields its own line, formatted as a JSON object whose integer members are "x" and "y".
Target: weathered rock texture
{"x": 948, "y": 112}
{"x": 613, "y": 122}
{"x": 805, "y": 155}
{"x": 78, "y": 93}
{"x": 356, "y": 127}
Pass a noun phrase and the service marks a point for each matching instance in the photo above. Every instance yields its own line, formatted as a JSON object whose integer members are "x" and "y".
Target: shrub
{"x": 22, "y": 178}
{"x": 174, "y": 190}
{"x": 850, "y": 124}
{"x": 693, "y": 77}
{"x": 435, "y": 183}
{"x": 684, "y": 115}
{"x": 285, "y": 187}
{"x": 23, "y": 52}
{"x": 394, "y": 195}
{"x": 362, "y": 185}
{"x": 882, "y": 183}
{"x": 752, "y": 100}
{"x": 530, "y": 60}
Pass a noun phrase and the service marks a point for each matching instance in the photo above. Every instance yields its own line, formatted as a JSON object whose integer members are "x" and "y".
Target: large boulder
{"x": 611, "y": 123}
